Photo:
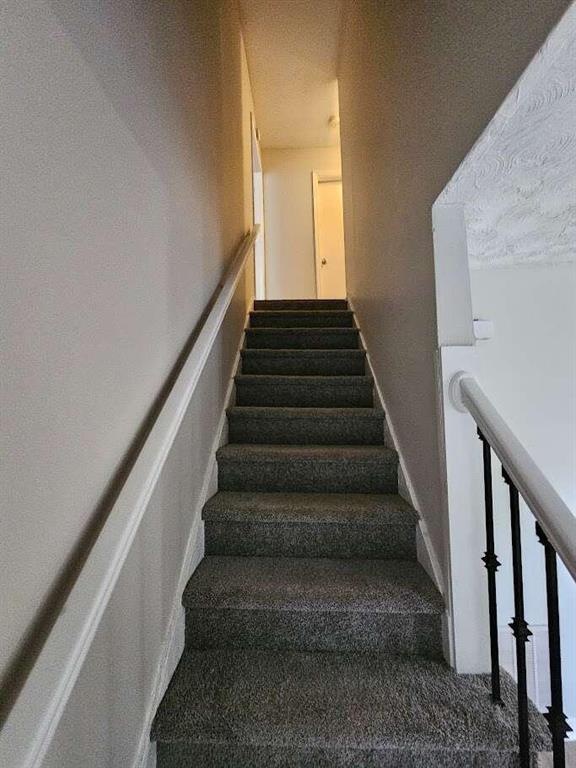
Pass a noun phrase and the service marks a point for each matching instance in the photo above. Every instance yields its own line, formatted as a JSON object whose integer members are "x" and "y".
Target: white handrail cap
{"x": 455, "y": 392}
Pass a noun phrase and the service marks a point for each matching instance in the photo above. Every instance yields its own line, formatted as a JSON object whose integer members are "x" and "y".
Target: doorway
{"x": 329, "y": 236}
{"x": 258, "y": 215}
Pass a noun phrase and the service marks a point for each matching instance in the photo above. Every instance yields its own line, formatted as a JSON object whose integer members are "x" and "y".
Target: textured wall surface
{"x": 123, "y": 190}
{"x": 419, "y": 82}
{"x": 519, "y": 182}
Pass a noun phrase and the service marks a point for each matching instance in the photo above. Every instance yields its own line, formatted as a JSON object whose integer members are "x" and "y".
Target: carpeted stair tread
{"x": 274, "y": 305}
{"x": 305, "y": 391}
{"x": 312, "y": 584}
{"x": 318, "y": 508}
{"x": 305, "y": 710}
{"x": 307, "y": 453}
{"x": 304, "y": 362}
{"x": 307, "y": 468}
{"x": 310, "y": 525}
{"x": 311, "y": 425}
{"x": 304, "y": 381}
{"x": 299, "y": 318}
{"x": 313, "y": 604}
{"x": 302, "y": 338}
{"x": 259, "y": 413}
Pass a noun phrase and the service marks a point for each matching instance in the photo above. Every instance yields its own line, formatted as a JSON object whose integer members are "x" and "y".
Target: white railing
{"x": 556, "y": 531}
{"x": 32, "y": 722}
{"x": 553, "y": 515}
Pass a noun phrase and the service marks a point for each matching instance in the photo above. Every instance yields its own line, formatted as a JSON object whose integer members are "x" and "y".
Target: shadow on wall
{"x": 122, "y": 222}
{"x": 407, "y": 121}
{"x": 17, "y": 671}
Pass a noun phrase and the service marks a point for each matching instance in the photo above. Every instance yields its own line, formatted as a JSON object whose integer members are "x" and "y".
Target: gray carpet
{"x": 273, "y": 305}
{"x": 302, "y": 318}
{"x": 382, "y": 509}
{"x": 305, "y": 391}
{"x": 317, "y": 604}
{"x": 313, "y": 636}
{"x": 302, "y": 338}
{"x": 245, "y": 708}
{"x": 296, "y": 426}
{"x": 309, "y": 584}
{"x": 304, "y": 362}
{"x": 310, "y": 525}
{"x": 313, "y": 469}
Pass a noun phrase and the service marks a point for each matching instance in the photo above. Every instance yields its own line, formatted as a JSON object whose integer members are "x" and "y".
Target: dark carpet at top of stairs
{"x": 273, "y": 305}
{"x": 302, "y": 319}
{"x": 302, "y": 338}
{"x": 304, "y": 362}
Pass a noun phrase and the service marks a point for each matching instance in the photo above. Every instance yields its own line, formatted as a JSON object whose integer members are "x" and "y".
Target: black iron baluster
{"x": 557, "y": 721}
{"x": 492, "y": 564}
{"x": 518, "y": 624}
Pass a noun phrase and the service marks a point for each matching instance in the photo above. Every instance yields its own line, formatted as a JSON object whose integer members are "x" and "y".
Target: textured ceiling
{"x": 518, "y": 183}
{"x": 292, "y": 48}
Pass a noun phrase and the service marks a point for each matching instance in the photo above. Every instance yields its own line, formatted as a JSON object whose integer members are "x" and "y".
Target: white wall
{"x": 108, "y": 716}
{"x": 418, "y": 82}
{"x": 123, "y": 165}
{"x": 290, "y": 268}
{"x": 529, "y": 372}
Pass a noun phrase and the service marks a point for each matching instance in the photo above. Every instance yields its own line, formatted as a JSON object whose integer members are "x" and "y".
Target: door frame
{"x": 258, "y": 213}
{"x": 318, "y": 178}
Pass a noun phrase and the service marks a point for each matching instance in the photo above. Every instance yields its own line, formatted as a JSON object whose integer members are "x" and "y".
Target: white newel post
{"x": 460, "y": 447}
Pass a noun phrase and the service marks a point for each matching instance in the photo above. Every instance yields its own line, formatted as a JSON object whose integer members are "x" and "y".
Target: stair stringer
{"x": 174, "y": 642}
{"x": 425, "y": 551}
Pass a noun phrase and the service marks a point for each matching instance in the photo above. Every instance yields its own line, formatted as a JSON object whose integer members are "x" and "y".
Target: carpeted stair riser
{"x": 306, "y": 426}
{"x": 275, "y": 305}
{"x": 261, "y": 539}
{"x": 304, "y": 362}
{"x": 300, "y": 319}
{"x": 338, "y": 471}
{"x": 305, "y": 391}
{"x": 184, "y": 755}
{"x": 302, "y": 338}
{"x": 314, "y": 604}
{"x": 314, "y": 631}
{"x": 357, "y": 526}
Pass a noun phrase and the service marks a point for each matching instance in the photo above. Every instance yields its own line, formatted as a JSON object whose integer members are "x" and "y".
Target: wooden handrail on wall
{"x": 32, "y": 722}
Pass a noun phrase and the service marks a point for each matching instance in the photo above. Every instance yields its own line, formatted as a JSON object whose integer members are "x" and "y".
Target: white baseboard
{"x": 425, "y": 551}
{"x": 175, "y": 634}
{"x": 150, "y": 759}
{"x": 174, "y": 641}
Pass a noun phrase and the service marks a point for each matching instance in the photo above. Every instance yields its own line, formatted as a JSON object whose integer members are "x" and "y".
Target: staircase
{"x": 313, "y": 636}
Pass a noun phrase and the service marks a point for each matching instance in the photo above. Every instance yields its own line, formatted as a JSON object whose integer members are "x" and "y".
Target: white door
{"x": 329, "y": 238}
